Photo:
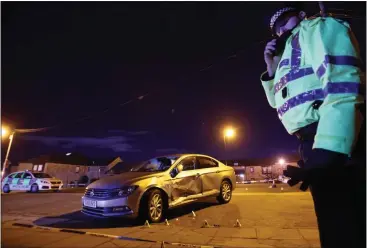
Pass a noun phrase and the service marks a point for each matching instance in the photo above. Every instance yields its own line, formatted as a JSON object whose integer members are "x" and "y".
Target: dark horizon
{"x": 199, "y": 63}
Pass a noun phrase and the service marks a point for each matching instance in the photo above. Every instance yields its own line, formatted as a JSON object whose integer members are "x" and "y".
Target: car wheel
{"x": 225, "y": 194}
{"x": 6, "y": 188}
{"x": 154, "y": 207}
{"x": 34, "y": 188}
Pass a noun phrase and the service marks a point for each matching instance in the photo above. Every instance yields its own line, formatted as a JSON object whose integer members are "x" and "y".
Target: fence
{"x": 76, "y": 185}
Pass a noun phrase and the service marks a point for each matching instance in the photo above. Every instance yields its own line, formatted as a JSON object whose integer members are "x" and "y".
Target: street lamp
{"x": 281, "y": 161}
{"x": 227, "y": 133}
{"x": 4, "y": 132}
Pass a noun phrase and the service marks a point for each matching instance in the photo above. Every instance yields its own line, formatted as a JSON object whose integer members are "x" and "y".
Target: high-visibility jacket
{"x": 320, "y": 62}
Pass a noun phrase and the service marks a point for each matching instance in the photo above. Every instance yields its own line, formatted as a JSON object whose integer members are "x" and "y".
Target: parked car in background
{"x": 30, "y": 181}
{"x": 159, "y": 184}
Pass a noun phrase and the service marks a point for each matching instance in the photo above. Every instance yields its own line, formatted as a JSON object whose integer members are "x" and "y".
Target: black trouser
{"x": 339, "y": 196}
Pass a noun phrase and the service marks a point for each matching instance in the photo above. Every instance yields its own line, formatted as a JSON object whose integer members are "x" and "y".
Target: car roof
{"x": 15, "y": 172}
{"x": 197, "y": 154}
{"x": 22, "y": 171}
{"x": 185, "y": 154}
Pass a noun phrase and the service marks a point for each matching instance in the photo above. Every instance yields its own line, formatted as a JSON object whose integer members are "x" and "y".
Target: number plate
{"x": 90, "y": 203}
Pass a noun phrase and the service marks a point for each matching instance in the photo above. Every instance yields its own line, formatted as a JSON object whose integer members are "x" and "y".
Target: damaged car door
{"x": 210, "y": 173}
{"x": 186, "y": 181}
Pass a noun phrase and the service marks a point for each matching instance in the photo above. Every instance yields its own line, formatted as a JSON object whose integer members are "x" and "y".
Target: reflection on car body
{"x": 155, "y": 186}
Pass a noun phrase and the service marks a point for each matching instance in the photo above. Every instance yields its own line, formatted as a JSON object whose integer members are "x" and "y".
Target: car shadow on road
{"x": 189, "y": 208}
{"x": 77, "y": 220}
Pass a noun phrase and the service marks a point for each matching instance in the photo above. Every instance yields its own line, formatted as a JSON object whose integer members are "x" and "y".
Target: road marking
{"x": 263, "y": 193}
{"x": 103, "y": 235}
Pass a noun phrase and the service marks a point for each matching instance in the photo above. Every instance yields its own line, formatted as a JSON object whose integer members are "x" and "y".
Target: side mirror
{"x": 176, "y": 170}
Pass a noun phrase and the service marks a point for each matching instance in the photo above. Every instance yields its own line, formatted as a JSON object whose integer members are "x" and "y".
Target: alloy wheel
{"x": 226, "y": 191}
{"x": 156, "y": 207}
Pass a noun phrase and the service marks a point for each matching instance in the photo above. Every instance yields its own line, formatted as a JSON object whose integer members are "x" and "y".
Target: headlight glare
{"x": 127, "y": 190}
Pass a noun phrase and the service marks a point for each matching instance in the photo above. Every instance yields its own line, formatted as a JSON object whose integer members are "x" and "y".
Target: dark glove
{"x": 320, "y": 161}
{"x": 297, "y": 175}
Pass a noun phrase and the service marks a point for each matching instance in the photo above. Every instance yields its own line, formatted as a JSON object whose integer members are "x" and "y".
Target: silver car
{"x": 159, "y": 184}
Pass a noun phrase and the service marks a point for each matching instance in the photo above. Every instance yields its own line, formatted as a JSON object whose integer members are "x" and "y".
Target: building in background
{"x": 74, "y": 167}
{"x": 262, "y": 169}
{"x": 70, "y": 167}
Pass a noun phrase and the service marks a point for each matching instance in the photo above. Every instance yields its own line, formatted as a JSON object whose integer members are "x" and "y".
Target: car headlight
{"x": 125, "y": 191}
{"x": 47, "y": 182}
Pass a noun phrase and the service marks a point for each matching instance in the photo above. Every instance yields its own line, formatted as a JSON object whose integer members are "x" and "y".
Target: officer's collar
{"x": 297, "y": 28}
{"x": 291, "y": 32}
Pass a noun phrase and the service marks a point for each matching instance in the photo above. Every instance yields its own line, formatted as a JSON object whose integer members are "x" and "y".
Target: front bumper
{"x": 115, "y": 207}
{"x": 44, "y": 186}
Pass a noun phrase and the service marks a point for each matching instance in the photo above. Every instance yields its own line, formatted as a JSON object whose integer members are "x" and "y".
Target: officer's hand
{"x": 298, "y": 175}
{"x": 271, "y": 60}
{"x": 321, "y": 162}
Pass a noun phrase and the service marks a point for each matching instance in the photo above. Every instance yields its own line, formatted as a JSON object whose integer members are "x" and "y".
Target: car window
{"x": 206, "y": 163}
{"x": 27, "y": 176}
{"x": 155, "y": 164}
{"x": 12, "y": 175}
{"x": 41, "y": 175}
{"x": 19, "y": 175}
{"x": 188, "y": 163}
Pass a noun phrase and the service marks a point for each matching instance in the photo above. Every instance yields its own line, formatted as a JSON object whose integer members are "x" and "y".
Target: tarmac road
{"x": 268, "y": 217}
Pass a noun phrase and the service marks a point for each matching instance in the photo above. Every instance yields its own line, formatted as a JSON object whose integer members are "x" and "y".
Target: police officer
{"x": 314, "y": 81}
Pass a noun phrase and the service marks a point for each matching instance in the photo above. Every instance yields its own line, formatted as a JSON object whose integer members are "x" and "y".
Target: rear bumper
{"x": 116, "y": 207}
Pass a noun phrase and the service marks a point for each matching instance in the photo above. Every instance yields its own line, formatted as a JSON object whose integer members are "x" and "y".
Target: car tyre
{"x": 34, "y": 188}
{"x": 6, "y": 188}
{"x": 225, "y": 194}
{"x": 153, "y": 207}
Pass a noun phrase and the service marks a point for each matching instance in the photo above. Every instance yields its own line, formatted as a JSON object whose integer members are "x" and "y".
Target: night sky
{"x": 199, "y": 63}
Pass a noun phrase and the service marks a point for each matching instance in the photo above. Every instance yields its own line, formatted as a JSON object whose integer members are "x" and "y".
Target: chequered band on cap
{"x": 280, "y": 12}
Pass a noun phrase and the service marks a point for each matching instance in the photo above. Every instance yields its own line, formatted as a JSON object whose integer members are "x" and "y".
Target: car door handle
{"x": 217, "y": 172}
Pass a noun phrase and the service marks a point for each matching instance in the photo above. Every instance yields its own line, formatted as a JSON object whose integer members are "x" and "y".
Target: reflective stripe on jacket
{"x": 320, "y": 62}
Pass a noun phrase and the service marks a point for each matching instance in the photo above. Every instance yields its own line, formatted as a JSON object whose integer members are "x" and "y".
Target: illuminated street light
{"x": 4, "y": 132}
{"x": 229, "y": 132}
{"x": 281, "y": 161}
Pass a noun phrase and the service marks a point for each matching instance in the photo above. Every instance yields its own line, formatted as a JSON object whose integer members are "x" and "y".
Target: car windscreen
{"x": 41, "y": 175}
{"x": 155, "y": 164}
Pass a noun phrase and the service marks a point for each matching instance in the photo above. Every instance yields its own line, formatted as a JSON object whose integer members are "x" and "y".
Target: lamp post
{"x": 228, "y": 133}
{"x": 4, "y": 132}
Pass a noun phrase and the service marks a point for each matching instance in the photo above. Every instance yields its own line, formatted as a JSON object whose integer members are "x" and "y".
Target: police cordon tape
{"x": 163, "y": 243}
